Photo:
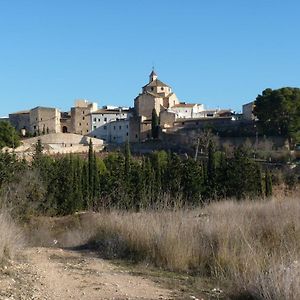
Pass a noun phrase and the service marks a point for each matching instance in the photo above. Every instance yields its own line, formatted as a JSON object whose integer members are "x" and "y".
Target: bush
{"x": 10, "y": 237}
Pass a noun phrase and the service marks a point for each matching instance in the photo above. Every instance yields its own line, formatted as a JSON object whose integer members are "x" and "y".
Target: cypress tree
{"x": 154, "y": 124}
{"x": 268, "y": 184}
{"x": 85, "y": 184}
{"x": 127, "y": 155}
{"x": 91, "y": 171}
{"x": 211, "y": 171}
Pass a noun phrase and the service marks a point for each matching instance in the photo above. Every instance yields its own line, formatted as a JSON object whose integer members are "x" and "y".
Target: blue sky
{"x": 216, "y": 52}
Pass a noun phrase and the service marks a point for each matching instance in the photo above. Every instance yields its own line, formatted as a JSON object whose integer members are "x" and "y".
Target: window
{"x": 95, "y": 127}
{"x": 83, "y": 118}
{"x": 99, "y": 120}
{"x": 114, "y": 127}
{"x": 105, "y": 119}
{"x": 83, "y": 112}
{"x": 127, "y": 126}
{"x": 120, "y": 127}
{"x": 41, "y": 119}
{"x": 182, "y": 123}
{"x": 152, "y": 88}
{"x": 79, "y": 124}
{"x": 127, "y": 133}
{"x": 87, "y": 130}
{"x": 95, "y": 119}
{"x": 105, "y": 127}
{"x": 162, "y": 88}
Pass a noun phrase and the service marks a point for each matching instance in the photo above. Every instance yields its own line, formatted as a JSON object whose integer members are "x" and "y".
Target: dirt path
{"x": 50, "y": 273}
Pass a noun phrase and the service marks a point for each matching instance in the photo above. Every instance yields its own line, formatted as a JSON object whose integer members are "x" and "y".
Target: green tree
{"x": 278, "y": 112}
{"x": 127, "y": 155}
{"x": 154, "y": 124}
{"x": 211, "y": 171}
{"x": 8, "y": 136}
{"x": 268, "y": 184}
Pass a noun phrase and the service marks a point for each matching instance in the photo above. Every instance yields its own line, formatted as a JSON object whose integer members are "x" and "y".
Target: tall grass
{"x": 255, "y": 245}
{"x": 10, "y": 237}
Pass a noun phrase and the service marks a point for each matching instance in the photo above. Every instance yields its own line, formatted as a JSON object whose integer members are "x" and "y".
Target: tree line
{"x": 66, "y": 184}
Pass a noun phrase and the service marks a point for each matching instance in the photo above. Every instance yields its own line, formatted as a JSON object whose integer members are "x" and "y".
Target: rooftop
{"x": 20, "y": 112}
{"x": 155, "y": 82}
{"x": 184, "y": 105}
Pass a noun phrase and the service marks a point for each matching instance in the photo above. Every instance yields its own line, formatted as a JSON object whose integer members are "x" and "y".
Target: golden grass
{"x": 252, "y": 245}
{"x": 255, "y": 245}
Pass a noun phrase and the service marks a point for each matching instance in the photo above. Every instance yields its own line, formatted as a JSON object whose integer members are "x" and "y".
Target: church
{"x": 155, "y": 95}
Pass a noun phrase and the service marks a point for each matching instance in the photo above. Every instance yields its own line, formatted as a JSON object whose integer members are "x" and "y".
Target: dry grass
{"x": 253, "y": 246}
{"x": 10, "y": 237}
{"x": 256, "y": 245}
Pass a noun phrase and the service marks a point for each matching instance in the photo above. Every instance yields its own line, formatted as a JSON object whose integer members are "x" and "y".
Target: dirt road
{"x": 51, "y": 273}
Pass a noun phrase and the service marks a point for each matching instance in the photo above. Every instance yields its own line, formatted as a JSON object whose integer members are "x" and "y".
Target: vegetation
{"x": 255, "y": 245}
{"x": 63, "y": 185}
{"x": 154, "y": 124}
{"x": 278, "y": 112}
{"x": 252, "y": 247}
{"x": 10, "y": 237}
{"x": 8, "y": 135}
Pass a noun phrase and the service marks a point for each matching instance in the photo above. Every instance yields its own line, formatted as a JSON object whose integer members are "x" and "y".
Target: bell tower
{"x": 152, "y": 76}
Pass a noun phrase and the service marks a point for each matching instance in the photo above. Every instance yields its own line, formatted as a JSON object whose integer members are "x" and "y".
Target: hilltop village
{"x": 156, "y": 106}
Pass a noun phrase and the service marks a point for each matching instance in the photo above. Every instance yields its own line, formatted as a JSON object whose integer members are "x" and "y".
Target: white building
{"x": 187, "y": 110}
{"x": 110, "y": 124}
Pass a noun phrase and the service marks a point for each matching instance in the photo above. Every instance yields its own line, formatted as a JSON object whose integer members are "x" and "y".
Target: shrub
{"x": 10, "y": 237}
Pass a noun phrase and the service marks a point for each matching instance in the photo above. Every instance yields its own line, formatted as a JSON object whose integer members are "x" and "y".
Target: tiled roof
{"x": 156, "y": 82}
{"x": 184, "y": 105}
{"x": 109, "y": 111}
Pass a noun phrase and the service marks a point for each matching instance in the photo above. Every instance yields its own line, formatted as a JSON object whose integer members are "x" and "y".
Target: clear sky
{"x": 217, "y": 52}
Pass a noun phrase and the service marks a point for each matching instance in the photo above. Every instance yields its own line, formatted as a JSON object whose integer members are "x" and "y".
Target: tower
{"x": 152, "y": 76}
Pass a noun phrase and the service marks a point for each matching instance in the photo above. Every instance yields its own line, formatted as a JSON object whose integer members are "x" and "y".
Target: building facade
{"x": 20, "y": 120}
{"x": 111, "y": 124}
{"x": 156, "y": 95}
{"x": 80, "y": 116}
{"x": 44, "y": 120}
{"x": 248, "y": 111}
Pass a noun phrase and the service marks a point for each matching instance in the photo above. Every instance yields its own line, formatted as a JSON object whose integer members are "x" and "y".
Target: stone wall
{"x": 44, "y": 120}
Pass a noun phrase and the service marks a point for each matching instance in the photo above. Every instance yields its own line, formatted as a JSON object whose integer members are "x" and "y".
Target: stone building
{"x": 155, "y": 95}
{"x": 111, "y": 124}
{"x": 65, "y": 122}
{"x": 187, "y": 110}
{"x": 248, "y": 111}
{"x": 20, "y": 120}
{"x": 44, "y": 120}
{"x": 80, "y": 116}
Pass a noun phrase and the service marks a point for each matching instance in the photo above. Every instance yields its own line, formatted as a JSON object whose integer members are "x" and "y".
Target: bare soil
{"x": 53, "y": 273}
